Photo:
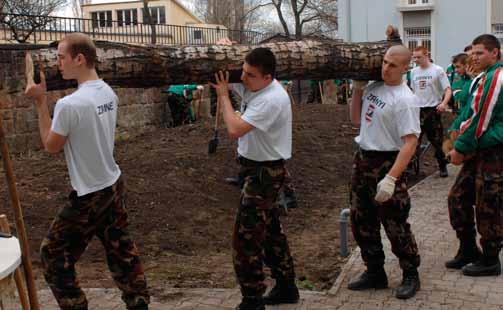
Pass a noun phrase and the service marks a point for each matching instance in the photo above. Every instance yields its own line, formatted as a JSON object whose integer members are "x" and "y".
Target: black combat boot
{"x": 140, "y": 307}
{"x": 485, "y": 266}
{"x": 251, "y": 303}
{"x": 443, "y": 171}
{"x": 409, "y": 286}
{"x": 468, "y": 252}
{"x": 284, "y": 292}
{"x": 290, "y": 199}
{"x": 369, "y": 279}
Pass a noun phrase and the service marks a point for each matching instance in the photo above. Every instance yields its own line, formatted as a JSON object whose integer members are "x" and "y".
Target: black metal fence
{"x": 43, "y": 29}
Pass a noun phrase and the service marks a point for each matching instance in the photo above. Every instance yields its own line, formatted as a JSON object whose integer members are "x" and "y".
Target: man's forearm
{"x": 447, "y": 96}
{"x": 403, "y": 159}
{"x": 44, "y": 120}
{"x": 230, "y": 118}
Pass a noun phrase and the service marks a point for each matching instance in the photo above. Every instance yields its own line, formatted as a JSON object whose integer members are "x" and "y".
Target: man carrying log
{"x": 264, "y": 130}
{"x": 389, "y": 129}
{"x": 84, "y": 125}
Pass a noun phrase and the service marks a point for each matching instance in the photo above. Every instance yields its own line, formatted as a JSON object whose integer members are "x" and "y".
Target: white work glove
{"x": 360, "y": 85}
{"x": 385, "y": 188}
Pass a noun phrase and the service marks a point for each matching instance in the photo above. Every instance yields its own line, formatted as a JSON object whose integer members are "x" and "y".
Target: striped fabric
{"x": 484, "y": 101}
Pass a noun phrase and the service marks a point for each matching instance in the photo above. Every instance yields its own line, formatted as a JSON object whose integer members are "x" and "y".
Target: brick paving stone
{"x": 441, "y": 289}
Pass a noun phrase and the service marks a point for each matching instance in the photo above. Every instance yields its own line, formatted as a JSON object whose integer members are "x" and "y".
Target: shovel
{"x": 212, "y": 146}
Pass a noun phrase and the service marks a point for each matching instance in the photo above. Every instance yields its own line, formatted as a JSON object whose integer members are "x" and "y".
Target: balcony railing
{"x": 40, "y": 29}
{"x": 416, "y": 5}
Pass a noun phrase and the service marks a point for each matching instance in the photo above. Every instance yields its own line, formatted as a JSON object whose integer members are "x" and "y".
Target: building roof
{"x": 141, "y": 1}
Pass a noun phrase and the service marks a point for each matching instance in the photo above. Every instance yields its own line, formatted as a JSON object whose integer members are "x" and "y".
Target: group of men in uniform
{"x": 388, "y": 114}
{"x": 391, "y": 118}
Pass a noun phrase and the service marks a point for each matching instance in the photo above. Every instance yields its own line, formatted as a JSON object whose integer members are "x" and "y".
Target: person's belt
{"x": 248, "y": 162}
{"x": 377, "y": 153}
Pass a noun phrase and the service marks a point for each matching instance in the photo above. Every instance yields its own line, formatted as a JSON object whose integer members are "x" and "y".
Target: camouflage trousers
{"x": 103, "y": 214}
{"x": 431, "y": 125}
{"x": 367, "y": 215}
{"x": 461, "y": 201}
{"x": 286, "y": 194}
{"x": 258, "y": 236}
{"x": 482, "y": 187}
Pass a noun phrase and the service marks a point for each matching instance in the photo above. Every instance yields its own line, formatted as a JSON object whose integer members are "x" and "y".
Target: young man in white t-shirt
{"x": 389, "y": 128}
{"x": 264, "y": 133}
{"x": 84, "y": 126}
{"x": 431, "y": 84}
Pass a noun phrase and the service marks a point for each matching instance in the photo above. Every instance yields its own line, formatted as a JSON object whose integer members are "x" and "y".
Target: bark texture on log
{"x": 125, "y": 65}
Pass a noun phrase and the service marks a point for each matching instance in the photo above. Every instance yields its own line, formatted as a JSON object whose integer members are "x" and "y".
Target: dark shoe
{"x": 141, "y": 307}
{"x": 282, "y": 293}
{"x": 290, "y": 199}
{"x": 485, "y": 266}
{"x": 468, "y": 252}
{"x": 368, "y": 280}
{"x": 409, "y": 286}
{"x": 287, "y": 200}
{"x": 232, "y": 180}
{"x": 251, "y": 303}
{"x": 443, "y": 172}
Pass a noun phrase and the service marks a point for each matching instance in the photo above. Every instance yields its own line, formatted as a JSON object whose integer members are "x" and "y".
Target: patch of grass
{"x": 306, "y": 284}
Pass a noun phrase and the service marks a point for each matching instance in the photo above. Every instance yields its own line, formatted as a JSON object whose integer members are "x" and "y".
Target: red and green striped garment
{"x": 484, "y": 128}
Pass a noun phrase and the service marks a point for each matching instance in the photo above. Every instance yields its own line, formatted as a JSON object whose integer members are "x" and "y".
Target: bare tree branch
{"x": 23, "y": 17}
{"x": 278, "y": 5}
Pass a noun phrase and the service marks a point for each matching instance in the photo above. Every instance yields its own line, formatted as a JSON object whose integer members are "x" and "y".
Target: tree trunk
{"x": 125, "y": 65}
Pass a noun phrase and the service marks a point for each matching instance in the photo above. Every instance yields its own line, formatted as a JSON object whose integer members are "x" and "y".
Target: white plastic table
{"x": 10, "y": 256}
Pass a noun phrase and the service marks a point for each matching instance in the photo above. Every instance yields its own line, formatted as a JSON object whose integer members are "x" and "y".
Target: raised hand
{"x": 36, "y": 91}
{"x": 222, "y": 83}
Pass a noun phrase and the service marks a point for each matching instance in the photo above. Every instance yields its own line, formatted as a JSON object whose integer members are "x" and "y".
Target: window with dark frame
{"x": 198, "y": 34}
{"x": 158, "y": 14}
{"x": 127, "y": 17}
{"x": 101, "y": 19}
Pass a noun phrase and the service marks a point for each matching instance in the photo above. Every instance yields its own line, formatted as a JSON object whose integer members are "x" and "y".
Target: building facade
{"x": 129, "y": 13}
{"x": 123, "y": 22}
{"x": 170, "y": 17}
{"x": 445, "y": 27}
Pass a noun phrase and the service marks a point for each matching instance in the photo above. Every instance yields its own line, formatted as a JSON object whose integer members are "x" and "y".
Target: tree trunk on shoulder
{"x": 125, "y": 65}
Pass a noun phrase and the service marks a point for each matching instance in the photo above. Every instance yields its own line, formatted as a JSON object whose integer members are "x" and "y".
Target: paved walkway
{"x": 440, "y": 288}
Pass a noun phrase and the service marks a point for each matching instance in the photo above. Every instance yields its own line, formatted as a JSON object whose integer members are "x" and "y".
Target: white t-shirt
{"x": 429, "y": 84}
{"x": 388, "y": 114}
{"x": 87, "y": 118}
{"x": 269, "y": 111}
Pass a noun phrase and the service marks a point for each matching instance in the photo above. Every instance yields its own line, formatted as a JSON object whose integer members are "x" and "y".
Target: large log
{"x": 125, "y": 65}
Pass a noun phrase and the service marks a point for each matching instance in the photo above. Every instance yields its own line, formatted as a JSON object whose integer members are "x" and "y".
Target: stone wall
{"x": 140, "y": 110}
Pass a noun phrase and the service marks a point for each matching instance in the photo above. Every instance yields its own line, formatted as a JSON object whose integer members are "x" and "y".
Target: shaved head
{"x": 395, "y": 64}
{"x": 400, "y": 51}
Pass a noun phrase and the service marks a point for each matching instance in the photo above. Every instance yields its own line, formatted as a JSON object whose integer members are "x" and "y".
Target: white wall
{"x": 453, "y": 30}
{"x": 381, "y": 14}
{"x": 454, "y": 23}
{"x": 368, "y": 19}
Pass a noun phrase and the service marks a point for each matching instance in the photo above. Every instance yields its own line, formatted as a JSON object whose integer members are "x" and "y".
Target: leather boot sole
{"x": 377, "y": 286}
{"x": 494, "y": 270}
